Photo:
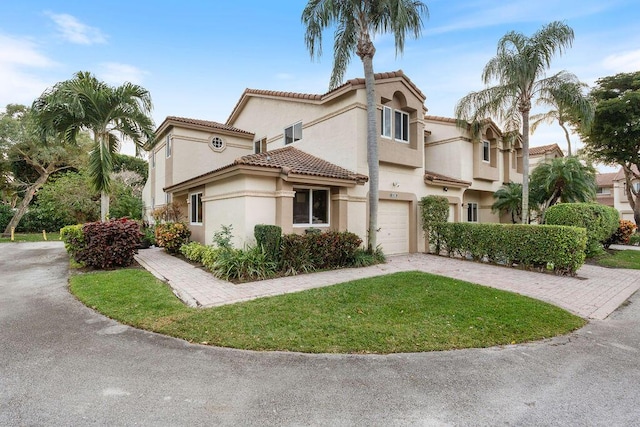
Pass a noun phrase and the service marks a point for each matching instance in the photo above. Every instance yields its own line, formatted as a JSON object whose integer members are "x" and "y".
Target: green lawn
{"x": 402, "y": 312}
{"x": 620, "y": 259}
{"x": 30, "y": 237}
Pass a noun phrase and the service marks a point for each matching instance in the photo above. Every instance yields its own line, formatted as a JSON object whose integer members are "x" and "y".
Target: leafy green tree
{"x": 110, "y": 113}
{"x": 509, "y": 201}
{"x": 563, "y": 179}
{"x": 570, "y": 106}
{"x": 42, "y": 157}
{"x": 519, "y": 68}
{"x": 357, "y": 21}
{"x": 123, "y": 162}
{"x": 614, "y": 137}
{"x": 69, "y": 199}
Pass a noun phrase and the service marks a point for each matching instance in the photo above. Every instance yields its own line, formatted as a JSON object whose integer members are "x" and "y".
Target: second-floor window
{"x": 168, "y": 146}
{"x": 472, "y": 212}
{"x": 486, "y": 151}
{"x": 260, "y": 146}
{"x": 293, "y": 133}
{"x": 394, "y": 123}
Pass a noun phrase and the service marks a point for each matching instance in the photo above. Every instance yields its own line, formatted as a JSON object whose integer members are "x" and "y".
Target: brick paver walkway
{"x": 595, "y": 293}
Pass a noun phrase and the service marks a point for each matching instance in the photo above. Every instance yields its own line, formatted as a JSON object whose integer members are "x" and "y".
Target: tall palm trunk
{"x": 104, "y": 205}
{"x": 525, "y": 163}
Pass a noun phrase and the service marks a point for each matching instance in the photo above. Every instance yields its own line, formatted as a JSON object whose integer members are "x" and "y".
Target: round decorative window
{"x": 216, "y": 143}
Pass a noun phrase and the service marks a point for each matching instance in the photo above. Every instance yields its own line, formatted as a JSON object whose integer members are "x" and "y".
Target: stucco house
{"x": 604, "y": 188}
{"x": 300, "y": 160}
{"x": 620, "y": 199}
{"x": 543, "y": 153}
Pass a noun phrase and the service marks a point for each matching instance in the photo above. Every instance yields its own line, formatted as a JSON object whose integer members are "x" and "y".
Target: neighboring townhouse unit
{"x": 620, "y": 199}
{"x": 543, "y": 153}
{"x": 604, "y": 189}
{"x": 300, "y": 161}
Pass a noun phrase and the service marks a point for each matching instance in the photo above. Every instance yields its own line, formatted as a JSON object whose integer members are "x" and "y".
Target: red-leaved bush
{"x": 109, "y": 244}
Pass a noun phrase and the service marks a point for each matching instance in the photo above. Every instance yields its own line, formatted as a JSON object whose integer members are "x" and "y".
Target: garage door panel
{"x": 393, "y": 224}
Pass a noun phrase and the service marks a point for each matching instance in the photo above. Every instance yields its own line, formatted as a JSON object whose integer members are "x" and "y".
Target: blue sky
{"x": 197, "y": 57}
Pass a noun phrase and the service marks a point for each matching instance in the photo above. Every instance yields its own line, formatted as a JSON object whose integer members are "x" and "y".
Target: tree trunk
{"x": 24, "y": 204}
{"x": 104, "y": 205}
{"x": 634, "y": 202}
{"x": 525, "y": 165}
{"x": 566, "y": 135}
{"x": 372, "y": 152}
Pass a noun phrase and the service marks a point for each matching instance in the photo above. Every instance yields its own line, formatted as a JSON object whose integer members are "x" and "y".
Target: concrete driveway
{"x": 63, "y": 364}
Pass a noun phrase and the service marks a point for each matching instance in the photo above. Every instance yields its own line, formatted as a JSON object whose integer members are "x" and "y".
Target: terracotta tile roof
{"x": 288, "y": 160}
{"x": 605, "y": 179}
{"x": 543, "y": 149}
{"x": 437, "y": 178}
{"x": 292, "y": 160}
{"x": 440, "y": 119}
{"x": 203, "y": 123}
{"x": 320, "y": 97}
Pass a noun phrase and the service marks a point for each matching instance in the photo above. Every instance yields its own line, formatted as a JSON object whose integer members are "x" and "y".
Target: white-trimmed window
{"x": 486, "y": 151}
{"x": 472, "y": 212}
{"x": 311, "y": 207}
{"x": 167, "y": 198}
{"x": 401, "y": 126}
{"x": 168, "y": 147}
{"x": 260, "y": 146}
{"x": 385, "y": 122}
{"x": 293, "y": 133}
{"x": 195, "y": 208}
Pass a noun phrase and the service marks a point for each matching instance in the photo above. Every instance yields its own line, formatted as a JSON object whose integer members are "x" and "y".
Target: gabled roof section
{"x": 287, "y": 161}
{"x": 319, "y": 98}
{"x": 605, "y": 179}
{"x": 544, "y": 149}
{"x": 201, "y": 125}
{"x": 439, "y": 179}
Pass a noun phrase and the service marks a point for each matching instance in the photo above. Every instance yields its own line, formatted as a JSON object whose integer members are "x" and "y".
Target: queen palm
{"x": 519, "y": 68}
{"x": 569, "y": 106}
{"x": 109, "y": 113}
{"x": 357, "y": 21}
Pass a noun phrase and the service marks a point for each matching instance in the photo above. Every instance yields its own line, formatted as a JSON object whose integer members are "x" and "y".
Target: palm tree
{"x": 357, "y": 21}
{"x": 569, "y": 105}
{"x": 519, "y": 68}
{"x": 509, "y": 201}
{"x": 109, "y": 113}
{"x": 564, "y": 179}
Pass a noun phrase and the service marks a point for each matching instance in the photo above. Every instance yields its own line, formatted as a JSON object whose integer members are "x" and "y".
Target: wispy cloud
{"x": 74, "y": 31}
{"x": 20, "y": 61}
{"x": 623, "y": 62}
{"x": 116, "y": 73}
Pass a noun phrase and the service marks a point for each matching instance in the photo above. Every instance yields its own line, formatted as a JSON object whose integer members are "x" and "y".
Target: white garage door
{"x": 393, "y": 222}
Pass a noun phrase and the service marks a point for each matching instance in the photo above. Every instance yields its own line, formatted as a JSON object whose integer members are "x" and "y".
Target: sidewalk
{"x": 594, "y": 294}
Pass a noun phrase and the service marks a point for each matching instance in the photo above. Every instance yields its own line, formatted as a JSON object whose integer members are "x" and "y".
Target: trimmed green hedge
{"x": 599, "y": 220}
{"x": 269, "y": 238}
{"x": 541, "y": 247}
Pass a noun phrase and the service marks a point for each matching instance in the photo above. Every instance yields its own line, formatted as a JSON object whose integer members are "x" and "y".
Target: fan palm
{"x": 569, "y": 106}
{"x": 109, "y": 113}
{"x": 509, "y": 201}
{"x": 564, "y": 179}
{"x": 357, "y": 21}
{"x": 519, "y": 68}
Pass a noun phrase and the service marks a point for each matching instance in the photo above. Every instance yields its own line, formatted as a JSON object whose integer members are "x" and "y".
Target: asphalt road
{"x": 63, "y": 364}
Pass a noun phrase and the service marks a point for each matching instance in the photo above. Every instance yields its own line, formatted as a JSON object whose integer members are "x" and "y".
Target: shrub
{"x": 251, "y": 263}
{"x": 625, "y": 230}
{"x": 433, "y": 210}
{"x": 314, "y": 251}
{"x": 364, "y": 258}
{"x": 193, "y": 251}
{"x": 171, "y": 212}
{"x": 209, "y": 256}
{"x": 222, "y": 238}
{"x": 172, "y": 235}
{"x": 634, "y": 240}
{"x": 269, "y": 237}
{"x": 558, "y": 248}
{"x": 73, "y": 238}
{"x": 109, "y": 244}
{"x": 296, "y": 257}
{"x": 599, "y": 220}
{"x": 6, "y": 213}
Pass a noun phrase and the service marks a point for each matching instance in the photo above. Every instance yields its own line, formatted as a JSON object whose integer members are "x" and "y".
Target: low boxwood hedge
{"x": 542, "y": 247}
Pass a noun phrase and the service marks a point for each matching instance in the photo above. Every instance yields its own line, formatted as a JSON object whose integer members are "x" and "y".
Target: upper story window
{"x": 472, "y": 212}
{"x": 293, "y": 133}
{"x": 311, "y": 207}
{"x": 168, "y": 147}
{"x": 216, "y": 143}
{"x": 395, "y": 120}
{"x": 486, "y": 151}
{"x": 195, "y": 208}
{"x": 260, "y": 146}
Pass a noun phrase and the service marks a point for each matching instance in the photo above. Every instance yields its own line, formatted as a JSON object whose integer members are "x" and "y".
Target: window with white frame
{"x": 260, "y": 146}
{"x": 195, "y": 208}
{"x": 167, "y": 198}
{"x": 603, "y": 190}
{"x": 401, "y": 126}
{"x": 472, "y": 212}
{"x": 486, "y": 151}
{"x": 385, "y": 122}
{"x": 311, "y": 207}
{"x": 293, "y": 133}
{"x": 168, "y": 147}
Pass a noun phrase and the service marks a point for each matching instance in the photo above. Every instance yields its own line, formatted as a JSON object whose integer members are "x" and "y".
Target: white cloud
{"x": 116, "y": 74}
{"x": 19, "y": 65}
{"x": 75, "y": 31}
{"x": 624, "y": 62}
